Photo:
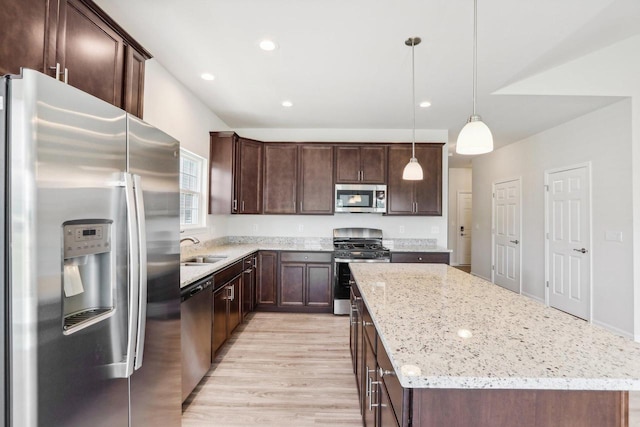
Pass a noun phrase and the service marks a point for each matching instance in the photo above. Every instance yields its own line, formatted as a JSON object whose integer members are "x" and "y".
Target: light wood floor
{"x": 285, "y": 369}
{"x": 280, "y": 370}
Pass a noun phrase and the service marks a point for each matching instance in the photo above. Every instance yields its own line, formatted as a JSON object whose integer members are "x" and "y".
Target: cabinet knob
{"x": 384, "y": 372}
{"x": 419, "y": 258}
{"x": 365, "y": 323}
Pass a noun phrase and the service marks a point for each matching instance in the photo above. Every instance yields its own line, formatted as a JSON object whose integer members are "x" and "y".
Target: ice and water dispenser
{"x": 88, "y": 273}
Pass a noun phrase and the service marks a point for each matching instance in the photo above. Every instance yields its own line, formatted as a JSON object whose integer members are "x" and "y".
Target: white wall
{"x": 603, "y": 138}
{"x": 171, "y": 107}
{"x": 459, "y": 180}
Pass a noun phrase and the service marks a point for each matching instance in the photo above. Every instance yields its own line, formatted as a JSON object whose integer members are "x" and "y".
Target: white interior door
{"x": 569, "y": 238}
{"x": 506, "y": 234}
{"x": 464, "y": 228}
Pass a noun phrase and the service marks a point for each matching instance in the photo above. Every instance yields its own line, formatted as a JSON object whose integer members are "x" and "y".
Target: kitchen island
{"x": 453, "y": 349}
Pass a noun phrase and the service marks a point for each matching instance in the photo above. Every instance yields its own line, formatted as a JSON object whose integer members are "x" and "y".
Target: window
{"x": 192, "y": 187}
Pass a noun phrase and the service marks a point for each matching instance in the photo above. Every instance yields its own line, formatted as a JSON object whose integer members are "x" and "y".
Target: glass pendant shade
{"x": 474, "y": 138}
{"x": 413, "y": 170}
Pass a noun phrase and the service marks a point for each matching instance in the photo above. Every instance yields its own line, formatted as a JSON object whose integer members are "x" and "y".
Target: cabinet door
{"x": 134, "y": 81}
{"x": 370, "y": 387}
{"x": 400, "y": 195}
{"x": 91, "y": 51}
{"x": 316, "y": 179}
{"x": 267, "y": 278}
{"x": 292, "y": 277}
{"x": 386, "y": 414}
{"x": 280, "y": 178}
{"x": 318, "y": 283}
{"x": 23, "y": 34}
{"x": 219, "y": 335}
{"x": 221, "y": 171}
{"x": 235, "y": 304}
{"x": 249, "y": 176}
{"x": 348, "y": 165}
{"x": 373, "y": 162}
{"x": 248, "y": 287}
{"x": 428, "y": 192}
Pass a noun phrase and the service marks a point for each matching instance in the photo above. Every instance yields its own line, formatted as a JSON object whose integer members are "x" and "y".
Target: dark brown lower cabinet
{"x": 249, "y": 285}
{"x": 267, "y": 276}
{"x": 370, "y": 384}
{"x": 421, "y": 257}
{"x": 387, "y": 416}
{"x": 227, "y": 304}
{"x": 306, "y": 281}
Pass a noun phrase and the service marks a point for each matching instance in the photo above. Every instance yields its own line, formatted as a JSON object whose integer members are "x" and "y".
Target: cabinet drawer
{"x": 387, "y": 375}
{"x": 421, "y": 257}
{"x": 227, "y": 274}
{"x": 305, "y": 256}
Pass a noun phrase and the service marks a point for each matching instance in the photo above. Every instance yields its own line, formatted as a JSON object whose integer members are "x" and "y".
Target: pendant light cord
{"x": 413, "y": 91}
{"x": 475, "y": 48}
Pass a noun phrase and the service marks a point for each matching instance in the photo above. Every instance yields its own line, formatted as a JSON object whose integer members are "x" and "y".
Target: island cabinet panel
{"x": 266, "y": 292}
{"x": 524, "y": 408}
{"x": 415, "y": 197}
{"x": 235, "y": 174}
{"x": 316, "y": 179}
{"x": 361, "y": 164}
{"x": 420, "y": 257}
{"x": 280, "y": 178}
{"x": 369, "y": 384}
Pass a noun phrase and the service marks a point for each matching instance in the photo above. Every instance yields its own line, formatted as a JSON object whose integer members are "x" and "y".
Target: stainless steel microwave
{"x": 361, "y": 198}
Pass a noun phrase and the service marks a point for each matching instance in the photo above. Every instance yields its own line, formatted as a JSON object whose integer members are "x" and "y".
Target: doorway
{"x": 568, "y": 239}
{"x": 507, "y": 230}
{"x": 464, "y": 207}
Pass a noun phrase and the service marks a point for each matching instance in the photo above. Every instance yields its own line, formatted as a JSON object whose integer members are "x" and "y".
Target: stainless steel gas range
{"x": 353, "y": 245}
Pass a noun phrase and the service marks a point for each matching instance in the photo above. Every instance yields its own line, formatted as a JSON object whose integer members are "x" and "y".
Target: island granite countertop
{"x": 443, "y": 328}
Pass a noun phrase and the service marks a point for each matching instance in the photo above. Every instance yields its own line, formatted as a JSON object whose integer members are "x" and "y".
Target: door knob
{"x": 515, "y": 242}
{"x": 582, "y": 251}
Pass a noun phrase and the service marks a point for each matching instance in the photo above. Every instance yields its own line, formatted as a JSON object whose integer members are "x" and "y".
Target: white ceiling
{"x": 344, "y": 64}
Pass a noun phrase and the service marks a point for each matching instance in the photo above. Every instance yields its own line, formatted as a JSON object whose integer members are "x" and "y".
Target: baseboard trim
{"x": 615, "y": 330}
{"x": 533, "y": 297}
{"x": 482, "y": 277}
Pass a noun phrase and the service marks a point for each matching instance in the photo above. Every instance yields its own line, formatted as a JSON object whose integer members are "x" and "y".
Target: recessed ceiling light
{"x": 287, "y": 104}
{"x": 425, "y": 104}
{"x": 207, "y": 76}
{"x": 268, "y": 45}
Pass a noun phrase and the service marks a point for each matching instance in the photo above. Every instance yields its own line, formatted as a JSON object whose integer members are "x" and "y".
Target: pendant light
{"x": 413, "y": 170}
{"x": 475, "y": 137}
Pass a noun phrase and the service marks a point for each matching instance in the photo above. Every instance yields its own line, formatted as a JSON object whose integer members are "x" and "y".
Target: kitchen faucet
{"x": 193, "y": 239}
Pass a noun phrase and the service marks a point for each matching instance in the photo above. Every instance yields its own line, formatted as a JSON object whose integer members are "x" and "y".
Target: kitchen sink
{"x": 200, "y": 260}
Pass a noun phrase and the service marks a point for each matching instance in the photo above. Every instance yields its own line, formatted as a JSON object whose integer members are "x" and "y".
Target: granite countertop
{"x": 423, "y": 312}
{"x": 235, "y": 252}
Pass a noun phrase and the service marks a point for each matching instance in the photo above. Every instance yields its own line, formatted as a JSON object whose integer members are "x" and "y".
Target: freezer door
{"x": 67, "y": 159}
{"x": 156, "y": 382}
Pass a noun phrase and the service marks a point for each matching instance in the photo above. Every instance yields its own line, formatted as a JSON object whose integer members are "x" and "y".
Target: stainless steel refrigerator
{"x": 90, "y": 261}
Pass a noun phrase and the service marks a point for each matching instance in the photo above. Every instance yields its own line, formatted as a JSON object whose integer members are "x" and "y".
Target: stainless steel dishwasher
{"x": 195, "y": 310}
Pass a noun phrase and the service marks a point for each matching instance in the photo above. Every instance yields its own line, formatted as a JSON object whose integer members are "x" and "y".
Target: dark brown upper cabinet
{"x": 280, "y": 178}
{"x": 415, "y": 197}
{"x": 315, "y": 190}
{"x": 235, "y": 174}
{"x": 77, "y": 42}
{"x": 361, "y": 164}
{"x": 298, "y": 178}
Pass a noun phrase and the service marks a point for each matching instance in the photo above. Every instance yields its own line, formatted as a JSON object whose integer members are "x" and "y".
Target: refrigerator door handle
{"x": 142, "y": 271}
{"x": 134, "y": 274}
